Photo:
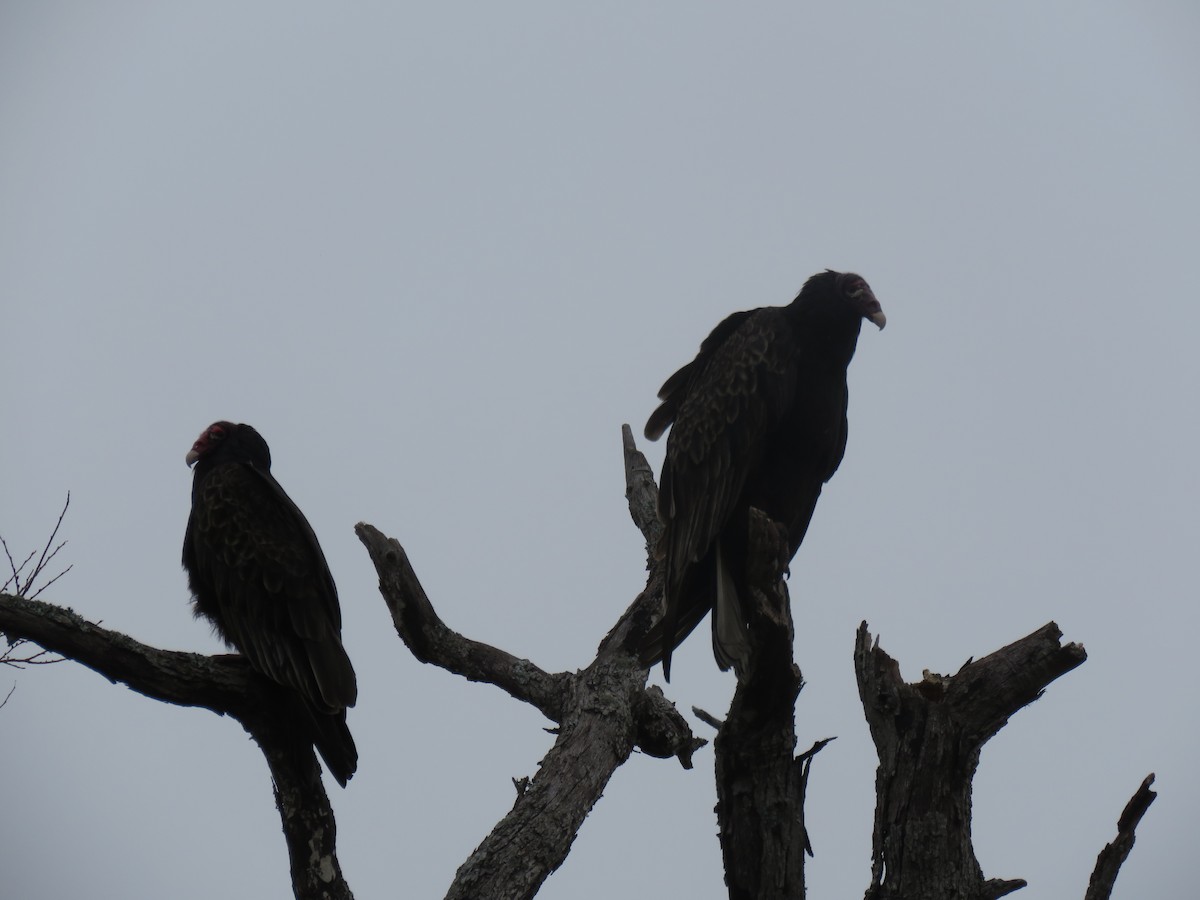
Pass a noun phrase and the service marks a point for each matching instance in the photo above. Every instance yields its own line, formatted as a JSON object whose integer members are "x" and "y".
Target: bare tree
{"x": 928, "y": 735}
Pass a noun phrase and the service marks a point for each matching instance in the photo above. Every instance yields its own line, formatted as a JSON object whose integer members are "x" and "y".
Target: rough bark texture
{"x": 227, "y": 686}
{"x": 308, "y": 823}
{"x": 928, "y": 736}
{"x": 760, "y": 783}
{"x": 603, "y": 712}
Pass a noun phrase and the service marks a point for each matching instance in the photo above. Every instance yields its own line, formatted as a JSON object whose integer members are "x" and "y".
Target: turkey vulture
{"x": 258, "y": 574}
{"x": 759, "y": 421}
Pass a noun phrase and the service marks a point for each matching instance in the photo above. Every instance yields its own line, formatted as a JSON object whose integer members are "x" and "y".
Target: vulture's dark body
{"x": 758, "y": 419}
{"x": 258, "y": 574}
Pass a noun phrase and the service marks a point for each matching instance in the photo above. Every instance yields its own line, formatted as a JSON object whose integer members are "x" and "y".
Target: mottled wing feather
{"x": 736, "y": 394}
{"x": 259, "y": 574}
{"x": 720, "y": 430}
{"x": 675, "y": 388}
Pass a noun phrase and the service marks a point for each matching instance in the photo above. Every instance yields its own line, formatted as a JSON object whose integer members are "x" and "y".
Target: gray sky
{"x": 437, "y": 256}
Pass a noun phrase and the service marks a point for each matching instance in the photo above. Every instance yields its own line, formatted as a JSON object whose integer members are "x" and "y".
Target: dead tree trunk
{"x": 928, "y": 736}
{"x": 760, "y": 783}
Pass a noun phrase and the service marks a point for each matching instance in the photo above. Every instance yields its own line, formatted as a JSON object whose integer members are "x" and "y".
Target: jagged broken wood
{"x": 928, "y": 736}
{"x": 1113, "y": 856}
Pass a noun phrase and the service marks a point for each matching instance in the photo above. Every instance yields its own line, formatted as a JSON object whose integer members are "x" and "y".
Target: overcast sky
{"x": 438, "y": 256}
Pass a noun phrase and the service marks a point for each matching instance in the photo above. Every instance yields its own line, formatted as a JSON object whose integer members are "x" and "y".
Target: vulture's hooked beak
{"x": 878, "y": 318}
{"x": 192, "y": 456}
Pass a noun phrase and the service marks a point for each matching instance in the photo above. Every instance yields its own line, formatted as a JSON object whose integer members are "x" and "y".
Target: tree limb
{"x": 218, "y": 683}
{"x": 1113, "y": 856}
{"x": 431, "y": 641}
{"x": 603, "y": 712}
{"x": 225, "y": 685}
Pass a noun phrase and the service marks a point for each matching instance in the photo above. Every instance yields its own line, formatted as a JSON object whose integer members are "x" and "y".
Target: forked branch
{"x": 928, "y": 736}
{"x": 603, "y": 712}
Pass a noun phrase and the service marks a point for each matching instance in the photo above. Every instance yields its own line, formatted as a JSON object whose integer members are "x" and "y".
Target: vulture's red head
{"x": 227, "y": 442}
{"x": 837, "y": 302}
{"x": 859, "y": 294}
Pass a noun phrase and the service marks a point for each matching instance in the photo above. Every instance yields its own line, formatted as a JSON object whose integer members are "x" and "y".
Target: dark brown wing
{"x": 724, "y": 410}
{"x": 675, "y": 388}
{"x": 258, "y": 573}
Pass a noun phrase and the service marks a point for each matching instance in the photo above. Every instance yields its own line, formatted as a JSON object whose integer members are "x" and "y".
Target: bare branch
{"x": 227, "y": 686}
{"x": 38, "y": 592}
{"x": 804, "y": 761}
{"x": 707, "y": 718}
{"x": 9, "y": 657}
{"x": 22, "y": 588}
{"x": 640, "y": 490}
{"x": 15, "y": 578}
{"x": 1113, "y": 856}
{"x": 537, "y": 834}
{"x": 604, "y": 711}
{"x": 431, "y": 641}
{"x": 219, "y": 683}
{"x": 994, "y": 888}
{"x": 816, "y": 748}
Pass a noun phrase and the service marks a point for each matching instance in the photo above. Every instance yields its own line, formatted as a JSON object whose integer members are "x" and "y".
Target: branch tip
{"x": 994, "y": 888}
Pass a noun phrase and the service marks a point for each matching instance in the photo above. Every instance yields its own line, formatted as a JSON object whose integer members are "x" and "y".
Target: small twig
{"x": 707, "y": 718}
{"x": 44, "y": 559}
{"x": 22, "y": 589}
{"x": 4, "y": 702}
{"x": 34, "y": 659}
{"x": 994, "y": 888}
{"x": 14, "y": 579}
{"x": 807, "y": 755}
{"x": 804, "y": 761}
{"x": 38, "y": 592}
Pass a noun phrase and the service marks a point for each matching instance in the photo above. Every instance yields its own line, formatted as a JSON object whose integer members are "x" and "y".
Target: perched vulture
{"x": 258, "y": 574}
{"x": 759, "y": 420}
